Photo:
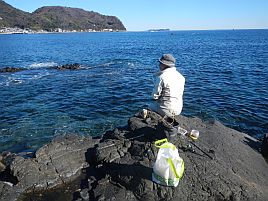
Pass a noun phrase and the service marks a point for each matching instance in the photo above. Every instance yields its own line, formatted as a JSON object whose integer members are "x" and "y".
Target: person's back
{"x": 169, "y": 88}
{"x": 172, "y": 91}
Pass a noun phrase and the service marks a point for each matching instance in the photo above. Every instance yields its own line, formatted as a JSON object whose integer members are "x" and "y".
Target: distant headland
{"x": 55, "y": 19}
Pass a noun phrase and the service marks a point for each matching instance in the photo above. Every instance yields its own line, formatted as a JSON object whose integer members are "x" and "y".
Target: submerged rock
{"x": 10, "y": 70}
{"x": 220, "y": 165}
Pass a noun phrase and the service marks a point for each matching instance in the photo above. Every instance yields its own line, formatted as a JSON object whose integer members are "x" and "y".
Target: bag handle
{"x": 178, "y": 176}
{"x": 164, "y": 144}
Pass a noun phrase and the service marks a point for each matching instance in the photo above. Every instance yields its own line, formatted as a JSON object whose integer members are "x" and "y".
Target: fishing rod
{"x": 183, "y": 133}
{"x": 201, "y": 150}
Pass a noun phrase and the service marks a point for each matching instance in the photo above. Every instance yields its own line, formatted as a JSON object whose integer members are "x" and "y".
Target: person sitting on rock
{"x": 168, "y": 89}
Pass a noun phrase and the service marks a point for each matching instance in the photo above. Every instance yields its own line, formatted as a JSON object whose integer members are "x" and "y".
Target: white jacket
{"x": 168, "y": 92}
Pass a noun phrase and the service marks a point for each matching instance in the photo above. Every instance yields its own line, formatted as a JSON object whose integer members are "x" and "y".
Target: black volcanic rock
{"x": 223, "y": 164}
{"x": 74, "y": 66}
{"x": 123, "y": 166}
{"x": 10, "y": 70}
{"x": 52, "y": 17}
{"x": 54, "y": 164}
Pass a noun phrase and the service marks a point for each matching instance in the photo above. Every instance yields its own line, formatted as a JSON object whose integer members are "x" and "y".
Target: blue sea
{"x": 226, "y": 79}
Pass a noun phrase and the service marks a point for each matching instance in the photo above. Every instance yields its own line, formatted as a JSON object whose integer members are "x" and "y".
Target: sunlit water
{"x": 226, "y": 79}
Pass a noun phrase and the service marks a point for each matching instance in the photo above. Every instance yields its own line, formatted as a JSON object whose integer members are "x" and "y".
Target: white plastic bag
{"x": 169, "y": 166}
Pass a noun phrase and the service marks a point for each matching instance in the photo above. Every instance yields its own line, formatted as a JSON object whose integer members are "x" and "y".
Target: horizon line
{"x": 217, "y": 29}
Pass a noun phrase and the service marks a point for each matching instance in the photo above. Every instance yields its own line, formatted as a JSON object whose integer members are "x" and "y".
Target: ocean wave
{"x": 11, "y": 81}
{"x": 107, "y": 64}
{"x": 40, "y": 75}
{"x": 43, "y": 64}
{"x": 16, "y": 79}
{"x": 112, "y": 63}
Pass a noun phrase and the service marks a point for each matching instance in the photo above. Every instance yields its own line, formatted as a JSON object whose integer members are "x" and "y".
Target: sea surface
{"x": 226, "y": 79}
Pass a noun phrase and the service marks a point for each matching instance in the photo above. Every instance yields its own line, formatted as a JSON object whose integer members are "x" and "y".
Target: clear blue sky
{"x": 139, "y": 15}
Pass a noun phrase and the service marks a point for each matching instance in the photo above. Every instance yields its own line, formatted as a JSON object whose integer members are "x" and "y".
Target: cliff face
{"x": 52, "y": 17}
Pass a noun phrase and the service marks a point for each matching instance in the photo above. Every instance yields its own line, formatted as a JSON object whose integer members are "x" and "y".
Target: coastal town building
{"x": 16, "y": 30}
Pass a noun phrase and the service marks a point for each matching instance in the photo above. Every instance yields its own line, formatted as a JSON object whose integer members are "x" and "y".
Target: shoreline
{"x": 59, "y": 32}
{"x": 135, "y": 31}
{"x": 15, "y": 31}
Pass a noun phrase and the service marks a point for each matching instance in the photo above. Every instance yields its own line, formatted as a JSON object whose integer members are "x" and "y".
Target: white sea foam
{"x": 43, "y": 64}
{"x": 130, "y": 64}
{"x": 40, "y": 75}
{"x": 15, "y": 79}
{"x": 11, "y": 81}
{"x": 107, "y": 64}
{"x": 104, "y": 64}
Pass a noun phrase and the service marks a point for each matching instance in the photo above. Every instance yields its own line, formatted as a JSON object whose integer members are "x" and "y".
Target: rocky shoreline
{"x": 223, "y": 164}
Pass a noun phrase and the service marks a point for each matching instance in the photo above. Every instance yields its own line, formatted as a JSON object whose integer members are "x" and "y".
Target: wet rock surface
{"x": 54, "y": 164}
{"x": 222, "y": 164}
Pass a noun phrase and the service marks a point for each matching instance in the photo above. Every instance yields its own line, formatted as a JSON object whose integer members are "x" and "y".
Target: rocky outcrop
{"x": 74, "y": 66}
{"x": 10, "y": 70}
{"x": 54, "y": 164}
{"x": 222, "y": 164}
{"x": 218, "y": 166}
